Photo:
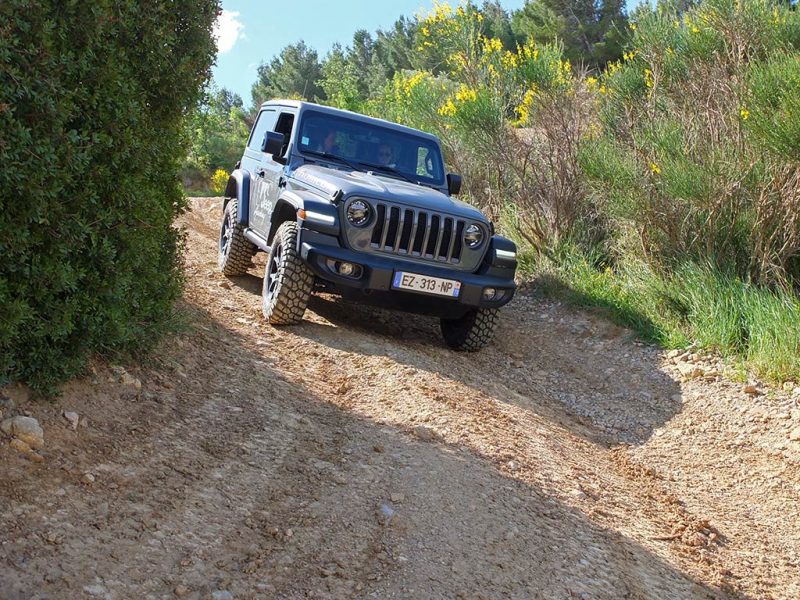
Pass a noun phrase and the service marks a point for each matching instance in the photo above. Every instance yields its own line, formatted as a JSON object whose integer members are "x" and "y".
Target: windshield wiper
{"x": 329, "y": 156}
{"x": 388, "y": 169}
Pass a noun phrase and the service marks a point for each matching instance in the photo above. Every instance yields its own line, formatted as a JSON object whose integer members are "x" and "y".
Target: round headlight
{"x": 358, "y": 213}
{"x": 473, "y": 235}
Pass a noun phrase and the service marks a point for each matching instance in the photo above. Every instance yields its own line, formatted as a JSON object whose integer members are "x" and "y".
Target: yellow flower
{"x": 448, "y": 109}
{"x": 632, "y": 26}
{"x": 655, "y": 168}
{"x": 744, "y": 113}
{"x": 648, "y": 78}
{"x": 591, "y": 82}
{"x": 524, "y": 108}
{"x": 466, "y": 94}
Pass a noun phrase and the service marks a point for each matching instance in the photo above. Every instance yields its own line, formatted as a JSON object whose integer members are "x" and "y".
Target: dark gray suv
{"x": 363, "y": 208}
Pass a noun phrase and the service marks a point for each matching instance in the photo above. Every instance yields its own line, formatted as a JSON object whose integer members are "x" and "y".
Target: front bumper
{"x": 321, "y": 251}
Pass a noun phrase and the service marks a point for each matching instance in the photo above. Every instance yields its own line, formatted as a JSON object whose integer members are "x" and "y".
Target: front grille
{"x": 418, "y": 233}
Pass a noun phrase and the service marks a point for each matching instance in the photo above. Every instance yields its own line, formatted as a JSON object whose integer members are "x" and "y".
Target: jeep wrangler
{"x": 363, "y": 208}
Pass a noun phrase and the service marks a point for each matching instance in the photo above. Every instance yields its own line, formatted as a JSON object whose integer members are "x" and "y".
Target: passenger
{"x": 328, "y": 144}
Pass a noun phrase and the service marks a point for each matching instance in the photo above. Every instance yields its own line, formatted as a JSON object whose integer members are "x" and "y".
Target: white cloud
{"x": 228, "y": 30}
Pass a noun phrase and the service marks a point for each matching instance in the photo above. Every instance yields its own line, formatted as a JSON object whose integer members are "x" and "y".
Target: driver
{"x": 386, "y": 155}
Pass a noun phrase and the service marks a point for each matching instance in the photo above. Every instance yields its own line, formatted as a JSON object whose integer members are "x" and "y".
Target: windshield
{"x": 372, "y": 147}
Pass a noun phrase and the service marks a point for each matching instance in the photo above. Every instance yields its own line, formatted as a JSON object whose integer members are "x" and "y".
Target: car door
{"x": 251, "y": 162}
{"x": 269, "y": 174}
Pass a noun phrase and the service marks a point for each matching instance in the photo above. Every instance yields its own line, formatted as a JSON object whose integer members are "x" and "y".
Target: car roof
{"x": 301, "y": 105}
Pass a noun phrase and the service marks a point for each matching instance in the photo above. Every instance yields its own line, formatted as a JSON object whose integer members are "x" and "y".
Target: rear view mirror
{"x": 273, "y": 142}
{"x": 453, "y": 184}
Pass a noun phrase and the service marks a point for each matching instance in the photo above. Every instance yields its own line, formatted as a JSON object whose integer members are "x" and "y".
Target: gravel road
{"x": 353, "y": 456}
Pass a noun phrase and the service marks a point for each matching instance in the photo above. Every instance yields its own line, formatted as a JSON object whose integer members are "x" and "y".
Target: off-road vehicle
{"x": 363, "y": 208}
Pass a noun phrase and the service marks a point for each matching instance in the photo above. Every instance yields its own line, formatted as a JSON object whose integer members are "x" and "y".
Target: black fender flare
{"x": 308, "y": 209}
{"x": 239, "y": 187}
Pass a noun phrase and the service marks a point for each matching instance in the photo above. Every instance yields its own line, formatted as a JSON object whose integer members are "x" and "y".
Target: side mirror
{"x": 273, "y": 142}
{"x": 453, "y": 184}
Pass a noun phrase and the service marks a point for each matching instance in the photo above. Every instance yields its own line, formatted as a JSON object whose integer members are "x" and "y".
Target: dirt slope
{"x": 355, "y": 457}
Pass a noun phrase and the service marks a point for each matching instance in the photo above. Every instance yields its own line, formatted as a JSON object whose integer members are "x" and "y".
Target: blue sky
{"x": 253, "y": 31}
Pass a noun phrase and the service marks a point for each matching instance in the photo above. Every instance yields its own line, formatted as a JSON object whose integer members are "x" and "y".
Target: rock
{"x": 98, "y": 591}
{"x": 751, "y": 389}
{"x": 690, "y": 371}
{"x": 794, "y": 434}
{"x": 7, "y": 406}
{"x": 88, "y": 479}
{"x": 674, "y": 353}
{"x": 26, "y": 429}
{"x": 378, "y": 448}
{"x": 181, "y": 591}
{"x": 128, "y": 379}
{"x": 426, "y": 434}
{"x": 72, "y": 417}
{"x": 385, "y": 514}
{"x": 222, "y": 595}
{"x": 225, "y": 284}
{"x": 397, "y": 497}
{"x": 788, "y": 386}
{"x": 25, "y": 449}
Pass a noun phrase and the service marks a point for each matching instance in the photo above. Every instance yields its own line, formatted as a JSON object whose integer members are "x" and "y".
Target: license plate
{"x": 426, "y": 284}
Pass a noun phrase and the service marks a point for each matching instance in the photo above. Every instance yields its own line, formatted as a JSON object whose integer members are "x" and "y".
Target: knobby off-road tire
{"x": 288, "y": 282}
{"x": 472, "y": 331}
{"x": 235, "y": 251}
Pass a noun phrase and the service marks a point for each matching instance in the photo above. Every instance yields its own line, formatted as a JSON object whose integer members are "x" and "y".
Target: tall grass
{"x": 699, "y": 304}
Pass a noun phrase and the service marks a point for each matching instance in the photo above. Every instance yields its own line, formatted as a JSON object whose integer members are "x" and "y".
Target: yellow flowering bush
{"x": 218, "y": 181}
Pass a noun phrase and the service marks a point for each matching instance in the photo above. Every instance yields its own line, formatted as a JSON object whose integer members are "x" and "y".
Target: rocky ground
{"x": 354, "y": 456}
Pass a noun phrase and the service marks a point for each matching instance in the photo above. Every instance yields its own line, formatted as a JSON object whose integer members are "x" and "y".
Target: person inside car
{"x": 328, "y": 144}
{"x": 386, "y": 156}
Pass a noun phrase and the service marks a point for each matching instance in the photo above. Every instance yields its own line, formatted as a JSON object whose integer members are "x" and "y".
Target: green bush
{"x": 92, "y": 101}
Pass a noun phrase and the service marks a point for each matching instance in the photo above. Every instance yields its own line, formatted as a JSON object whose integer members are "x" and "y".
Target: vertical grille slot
{"x": 380, "y": 215}
{"x": 458, "y": 242}
{"x": 408, "y": 220}
{"x": 422, "y": 234}
{"x": 433, "y": 235}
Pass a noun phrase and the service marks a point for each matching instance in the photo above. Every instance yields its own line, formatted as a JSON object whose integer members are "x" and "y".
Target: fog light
{"x": 489, "y": 293}
{"x": 346, "y": 269}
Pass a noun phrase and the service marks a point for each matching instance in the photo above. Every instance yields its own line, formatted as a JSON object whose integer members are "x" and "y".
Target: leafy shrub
{"x": 92, "y": 100}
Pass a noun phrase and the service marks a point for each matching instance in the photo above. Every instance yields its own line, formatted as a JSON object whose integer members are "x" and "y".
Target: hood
{"x": 381, "y": 187}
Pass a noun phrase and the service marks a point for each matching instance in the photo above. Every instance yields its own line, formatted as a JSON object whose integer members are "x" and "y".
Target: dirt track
{"x": 354, "y": 456}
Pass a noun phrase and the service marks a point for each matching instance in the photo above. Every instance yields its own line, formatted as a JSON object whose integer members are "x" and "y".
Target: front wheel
{"x": 471, "y": 332}
{"x": 288, "y": 281}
